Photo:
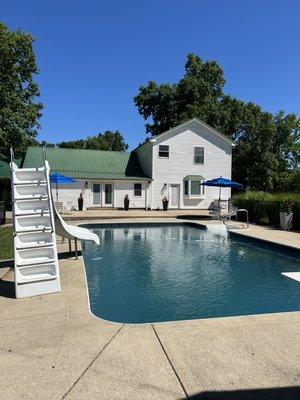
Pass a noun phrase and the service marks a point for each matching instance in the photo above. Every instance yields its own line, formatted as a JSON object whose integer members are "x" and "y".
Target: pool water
{"x": 152, "y": 273}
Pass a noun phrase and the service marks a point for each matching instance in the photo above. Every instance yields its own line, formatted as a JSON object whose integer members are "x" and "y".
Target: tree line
{"x": 108, "y": 141}
{"x": 267, "y": 152}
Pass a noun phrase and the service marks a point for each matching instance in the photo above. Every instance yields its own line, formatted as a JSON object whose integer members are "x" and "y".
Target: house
{"x": 173, "y": 164}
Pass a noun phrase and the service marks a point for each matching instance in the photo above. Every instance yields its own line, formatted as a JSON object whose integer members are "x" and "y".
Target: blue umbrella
{"x": 223, "y": 182}
{"x": 60, "y": 179}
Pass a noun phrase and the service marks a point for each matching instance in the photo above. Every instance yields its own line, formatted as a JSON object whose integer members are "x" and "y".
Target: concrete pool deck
{"x": 52, "y": 347}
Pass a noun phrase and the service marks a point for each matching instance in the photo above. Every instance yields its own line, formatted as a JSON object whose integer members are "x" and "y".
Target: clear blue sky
{"x": 93, "y": 55}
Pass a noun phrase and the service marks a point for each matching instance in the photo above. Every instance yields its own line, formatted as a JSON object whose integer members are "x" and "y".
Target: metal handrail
{"x": 47, "y": 174}
{"x": 228, "y": 216}
{"x": 12, "y": 155}
{"x": 12, "y": 161}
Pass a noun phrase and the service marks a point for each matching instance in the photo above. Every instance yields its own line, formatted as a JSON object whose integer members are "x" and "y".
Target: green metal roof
{"x": 194, "y": 178}
{"x": 88, "y": 164}
{"x": 4, "y": 168}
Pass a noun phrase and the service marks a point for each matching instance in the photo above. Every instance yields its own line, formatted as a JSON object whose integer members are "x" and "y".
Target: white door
{"x": 174, "y": 196}
{"x": 96, "y": 195}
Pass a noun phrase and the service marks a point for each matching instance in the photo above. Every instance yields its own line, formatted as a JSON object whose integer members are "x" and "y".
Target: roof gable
{"x": 87, "y": 164}
{"x": 187, "y": 123}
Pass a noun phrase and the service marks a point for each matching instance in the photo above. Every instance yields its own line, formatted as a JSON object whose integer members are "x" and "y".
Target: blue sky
{"x": 93, "y": 55}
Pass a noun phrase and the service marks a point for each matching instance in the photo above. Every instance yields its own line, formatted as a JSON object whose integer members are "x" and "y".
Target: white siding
{"x": 181, "y": 142}
{"x": 126, "y": 187}
{"x": 68, "y": 194}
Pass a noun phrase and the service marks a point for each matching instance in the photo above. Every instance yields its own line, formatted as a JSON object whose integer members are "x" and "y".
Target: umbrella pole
{"x": 56, "y": 192}
{"x": 220, "y": 197}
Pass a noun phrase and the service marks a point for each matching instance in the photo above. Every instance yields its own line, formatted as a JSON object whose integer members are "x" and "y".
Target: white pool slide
{"x": 35, "y": 223}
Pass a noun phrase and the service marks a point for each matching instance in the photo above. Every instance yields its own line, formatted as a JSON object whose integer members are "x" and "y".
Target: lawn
{"x": 6, "y": 243}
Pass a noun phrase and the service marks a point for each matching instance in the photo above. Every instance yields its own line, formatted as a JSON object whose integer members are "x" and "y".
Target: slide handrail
{"x": 49, "y": 192}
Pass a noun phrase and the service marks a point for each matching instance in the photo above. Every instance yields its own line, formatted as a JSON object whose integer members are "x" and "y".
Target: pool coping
{"x": 195, "y": 320}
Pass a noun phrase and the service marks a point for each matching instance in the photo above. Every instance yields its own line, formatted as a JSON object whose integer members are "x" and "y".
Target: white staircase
{"x": 35, "y": 253}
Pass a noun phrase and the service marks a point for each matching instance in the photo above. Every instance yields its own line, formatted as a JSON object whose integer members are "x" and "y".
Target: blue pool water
{"x": 175, "y": 272}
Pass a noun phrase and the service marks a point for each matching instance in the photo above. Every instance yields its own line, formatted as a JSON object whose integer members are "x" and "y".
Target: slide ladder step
{"x": 32, "y": 183}
{"x": 32, "y": 262}
{"x": 33, "y": 212}
{"x": 38, "y": 229}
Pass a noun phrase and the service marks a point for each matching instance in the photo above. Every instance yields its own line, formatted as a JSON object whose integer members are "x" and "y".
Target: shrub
{"x": 264, "y": 208}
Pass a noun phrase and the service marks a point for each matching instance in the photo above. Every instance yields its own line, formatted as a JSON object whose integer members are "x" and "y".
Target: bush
{"x": 264, "y": 208}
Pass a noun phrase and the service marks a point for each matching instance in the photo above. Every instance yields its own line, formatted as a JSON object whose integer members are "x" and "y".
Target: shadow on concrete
{"x": 280, "y": 393}
{"x": 7, "y": 289}
{"x": 193, "y": 216}
{"x": 7, "y": 263}
{"x": 66, "y": 254}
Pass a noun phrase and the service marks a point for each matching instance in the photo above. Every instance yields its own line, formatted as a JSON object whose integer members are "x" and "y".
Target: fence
{"x": 267, "y": 212}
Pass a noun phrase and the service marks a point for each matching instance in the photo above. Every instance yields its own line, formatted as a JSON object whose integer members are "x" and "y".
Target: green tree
{"x": 268, "y": 149}
{"x": 75, "y": 144}
{"x": 267, "y": 145}
{"x": 109, "y": 140}
{"x": 19, "y": 110}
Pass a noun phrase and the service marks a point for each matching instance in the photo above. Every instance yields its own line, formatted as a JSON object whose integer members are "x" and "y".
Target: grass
{"x": 265, "y": 196}
{"x": 6, "y": 243}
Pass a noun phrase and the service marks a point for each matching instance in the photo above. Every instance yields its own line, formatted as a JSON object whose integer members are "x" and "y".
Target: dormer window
{"x": 163, "y": 151}
{"x": 199, "y": 155}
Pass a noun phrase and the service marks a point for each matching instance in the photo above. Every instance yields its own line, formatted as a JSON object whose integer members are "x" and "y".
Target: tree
{"x": 19, "y": 110}
{"x": 198, "y": 93}
{"x": 109, "y": 140}
{"x": 267, "y": 145}
{"x": 75, "y": 144}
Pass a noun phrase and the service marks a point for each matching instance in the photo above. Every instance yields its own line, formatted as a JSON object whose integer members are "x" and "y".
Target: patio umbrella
{"x": 223, "y": 182}
{"x": 60, "y": 179}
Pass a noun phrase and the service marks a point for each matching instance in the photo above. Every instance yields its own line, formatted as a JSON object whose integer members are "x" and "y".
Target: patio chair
{"x": 231, "y": 213}
{"x": 216, "y": 210}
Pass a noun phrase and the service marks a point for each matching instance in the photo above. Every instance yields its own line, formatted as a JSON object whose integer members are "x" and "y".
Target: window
{"x": 137, "y": 191}
{"x": 163, "y": 151}
{"x": 199, "y": 155}
{"x": 193, "y": 188}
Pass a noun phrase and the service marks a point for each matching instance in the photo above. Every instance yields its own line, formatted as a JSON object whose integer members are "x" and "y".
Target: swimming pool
{"x": 168, "y": 272}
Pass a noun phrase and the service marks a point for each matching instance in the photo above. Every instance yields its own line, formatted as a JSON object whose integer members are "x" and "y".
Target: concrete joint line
{"x": 170, "y": 362}
{"x": 91, "y": 363}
